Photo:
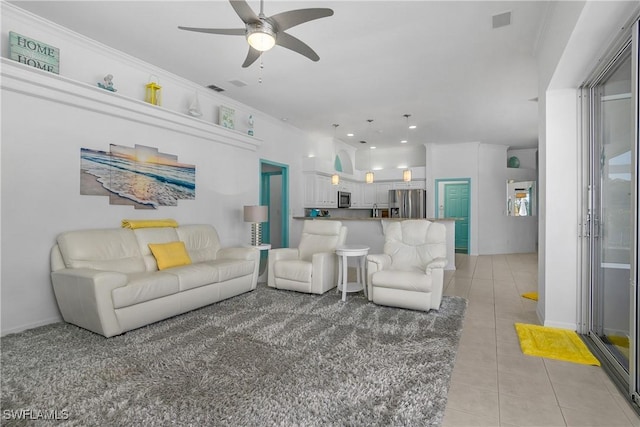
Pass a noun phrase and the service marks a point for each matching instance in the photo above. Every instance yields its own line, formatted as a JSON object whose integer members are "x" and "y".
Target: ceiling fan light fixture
{"x": 261, "y": 36}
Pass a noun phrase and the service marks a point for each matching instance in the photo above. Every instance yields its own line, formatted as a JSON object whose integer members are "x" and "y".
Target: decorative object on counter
{"x": 153, "y": 93}
{"x": 513, "y": 162}
{"x": 406, "y": 175}
{"x": 317, "y": 213}
{"x": 227, "y": 117}
{"x": 34, "y": 53}
{"x": 108, "y": 83}
{"x": 194, "y": 107}
{"x": 251, "y": 123}
{"x": 256, "y": 215}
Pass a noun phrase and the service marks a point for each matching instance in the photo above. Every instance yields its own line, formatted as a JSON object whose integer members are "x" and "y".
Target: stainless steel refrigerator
{"x": 409, "y": 203}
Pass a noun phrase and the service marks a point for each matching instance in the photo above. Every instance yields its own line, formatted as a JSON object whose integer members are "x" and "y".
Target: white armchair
{"x": 313, "y": 266}
{"x": 410, "y": 273}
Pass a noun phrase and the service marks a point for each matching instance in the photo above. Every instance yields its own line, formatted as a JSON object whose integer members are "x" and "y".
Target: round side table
{"x": 263, "y": 263}
{"x": 344, "y": 252}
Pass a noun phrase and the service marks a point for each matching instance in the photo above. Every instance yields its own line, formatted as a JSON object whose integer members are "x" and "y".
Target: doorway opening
{"x": 453, "y": 201}
{"x": 274, "y": 193}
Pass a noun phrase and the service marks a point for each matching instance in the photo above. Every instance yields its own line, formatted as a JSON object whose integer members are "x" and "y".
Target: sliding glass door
{"x": 612, "y": 218}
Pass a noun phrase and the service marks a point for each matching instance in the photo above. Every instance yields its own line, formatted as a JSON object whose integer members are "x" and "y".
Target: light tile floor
{"x": 493, "y": 383}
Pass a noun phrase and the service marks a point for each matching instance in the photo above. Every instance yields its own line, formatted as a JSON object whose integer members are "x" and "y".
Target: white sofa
{"x": 410, "y": 273}
{"x": 313, "y": 266}
{"x": 107, "y": 280}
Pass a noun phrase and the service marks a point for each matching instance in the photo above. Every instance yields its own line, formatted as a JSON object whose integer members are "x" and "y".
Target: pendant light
{"x": 335, "y": 178}
{"x": 406, "y": 174}
{"x": 368, "y": 177}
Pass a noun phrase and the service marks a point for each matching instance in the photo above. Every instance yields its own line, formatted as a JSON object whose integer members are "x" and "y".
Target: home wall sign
{"x": 34, "y": 53}
{"x": 139, "y": 176}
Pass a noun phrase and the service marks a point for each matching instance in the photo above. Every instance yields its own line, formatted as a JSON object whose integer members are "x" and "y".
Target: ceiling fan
{"x": 263, "y": 32}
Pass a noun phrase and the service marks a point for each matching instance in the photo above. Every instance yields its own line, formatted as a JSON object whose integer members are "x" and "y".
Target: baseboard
{"x": 562, "y": 325}
{"x": 30, "y": 326}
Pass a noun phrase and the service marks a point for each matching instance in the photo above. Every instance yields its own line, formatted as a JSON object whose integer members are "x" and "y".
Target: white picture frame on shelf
{"x": 227, "y": 117}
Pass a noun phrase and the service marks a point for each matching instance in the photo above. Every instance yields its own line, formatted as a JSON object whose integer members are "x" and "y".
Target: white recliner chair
{"x": 410, "y": 273}
{"x": 313, "y": 266}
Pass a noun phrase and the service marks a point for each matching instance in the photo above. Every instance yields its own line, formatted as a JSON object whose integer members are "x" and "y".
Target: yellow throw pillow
{"x": 172, "y": 254}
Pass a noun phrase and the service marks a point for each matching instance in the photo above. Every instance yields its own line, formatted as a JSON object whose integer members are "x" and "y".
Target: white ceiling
{"x": 439, "y": 61}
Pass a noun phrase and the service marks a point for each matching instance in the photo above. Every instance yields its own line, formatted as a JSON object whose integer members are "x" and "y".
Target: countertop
{"x": 341, "y": 218}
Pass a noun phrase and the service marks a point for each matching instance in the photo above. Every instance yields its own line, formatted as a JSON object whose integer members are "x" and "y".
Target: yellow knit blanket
{"x": 147, "y": 223}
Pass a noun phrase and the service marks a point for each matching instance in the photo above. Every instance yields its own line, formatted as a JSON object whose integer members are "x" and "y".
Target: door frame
{"x": 627, "y": 381}
{"x": 437, "y": 200}
{"x": 265, "y": 197}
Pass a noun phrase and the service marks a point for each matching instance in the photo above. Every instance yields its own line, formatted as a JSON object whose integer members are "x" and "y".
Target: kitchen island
{"x": 370, "y": 231}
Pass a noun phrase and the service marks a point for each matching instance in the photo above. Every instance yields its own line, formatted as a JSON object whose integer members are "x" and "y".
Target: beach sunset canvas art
{"x": 139, "y": 176}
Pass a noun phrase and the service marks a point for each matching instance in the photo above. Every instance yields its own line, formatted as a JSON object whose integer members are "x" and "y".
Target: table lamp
{"x": 256, "y": 215}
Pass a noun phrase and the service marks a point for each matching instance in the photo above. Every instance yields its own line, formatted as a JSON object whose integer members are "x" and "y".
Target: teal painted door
{"x": 456, "y": 205}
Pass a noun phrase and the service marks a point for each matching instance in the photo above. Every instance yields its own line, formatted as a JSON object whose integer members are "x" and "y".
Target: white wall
{"x": 491, "y": 230}
{"x": 451, "y": 161}
{"x": 576, "y": 36}
{"x": 40, "y": 169}
{"x": 492, "y": 215}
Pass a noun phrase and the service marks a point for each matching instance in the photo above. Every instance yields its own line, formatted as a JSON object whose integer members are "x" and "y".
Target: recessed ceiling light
{"x": 402, "y": 167}
{"x": 412, "y": 127}
{"x": 404, "y": 141}
{"x": 373, "y": 148}
{"x": 349, "y": 134}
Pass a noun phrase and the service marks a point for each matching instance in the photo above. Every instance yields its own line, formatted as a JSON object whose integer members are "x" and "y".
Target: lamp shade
{"x": 256, "y": 214}
{"x": 406, "y": 175}
{"x": 368, "y": 177}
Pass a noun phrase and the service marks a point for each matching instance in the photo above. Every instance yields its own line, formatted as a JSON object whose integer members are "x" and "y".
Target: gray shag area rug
{"x": 268, "y": 357}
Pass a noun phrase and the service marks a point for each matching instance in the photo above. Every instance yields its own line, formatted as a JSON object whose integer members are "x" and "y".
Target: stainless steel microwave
{"x": 344, "y": 199}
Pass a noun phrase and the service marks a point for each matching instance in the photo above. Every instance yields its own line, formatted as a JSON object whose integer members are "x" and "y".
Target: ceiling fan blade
{"x": 225, "y": 31}
{"x": 252, "y": 55}
{"x": 286, "y": 20}
{"x": 244, "y": 11}
{"x": 296, "y": 45}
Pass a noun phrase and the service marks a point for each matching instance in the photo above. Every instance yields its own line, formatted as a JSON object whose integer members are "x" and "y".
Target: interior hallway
{"x": 493, "y": 383}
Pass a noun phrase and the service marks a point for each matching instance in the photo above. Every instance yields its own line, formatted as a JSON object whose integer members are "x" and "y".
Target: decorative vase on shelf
{"x": 513, "y": 162}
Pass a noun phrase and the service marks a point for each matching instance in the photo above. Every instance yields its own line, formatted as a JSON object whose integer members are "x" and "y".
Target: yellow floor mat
{"x": 554, "y": 343}
{"x": 531, "y": 295}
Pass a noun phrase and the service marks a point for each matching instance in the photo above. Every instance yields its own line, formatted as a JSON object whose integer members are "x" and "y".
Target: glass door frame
{"x": 589, "y": 227}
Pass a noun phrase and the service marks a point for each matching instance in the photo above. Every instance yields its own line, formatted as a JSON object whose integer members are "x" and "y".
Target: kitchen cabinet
{"x": 401, "y": 185}
{"x": 319, "y": 192}
{"x": 368, "y": 195}
{"x": 382, "y": 194}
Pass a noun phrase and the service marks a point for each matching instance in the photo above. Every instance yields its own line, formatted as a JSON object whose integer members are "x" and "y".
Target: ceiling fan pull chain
{"x": 261, "y": 67}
